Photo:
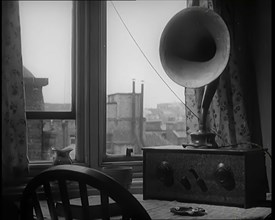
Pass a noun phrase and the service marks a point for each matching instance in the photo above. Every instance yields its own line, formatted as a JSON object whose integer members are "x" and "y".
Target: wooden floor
{"x": 159, "y": 209}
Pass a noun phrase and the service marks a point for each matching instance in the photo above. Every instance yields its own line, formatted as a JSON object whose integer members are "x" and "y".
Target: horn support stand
{"x": 202, "y": 138}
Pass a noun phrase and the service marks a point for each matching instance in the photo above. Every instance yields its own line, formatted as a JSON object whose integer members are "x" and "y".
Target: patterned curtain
{"x": 14, "y": 144}
{"x": 227, "y": 115}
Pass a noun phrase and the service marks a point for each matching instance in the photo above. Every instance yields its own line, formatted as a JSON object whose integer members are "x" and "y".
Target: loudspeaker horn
{"x": 194, "y": 50}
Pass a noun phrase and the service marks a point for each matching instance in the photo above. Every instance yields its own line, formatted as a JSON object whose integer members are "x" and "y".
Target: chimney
{"x": 141, "y": 114}
{"x": 134, "y": 85}
{"x": 133, "y": 113}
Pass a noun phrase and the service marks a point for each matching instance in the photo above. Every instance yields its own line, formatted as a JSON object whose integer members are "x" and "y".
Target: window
{"x": 88, "y": 84}
{"x": 46, "y": 36}
{"x": 141, "y": 111}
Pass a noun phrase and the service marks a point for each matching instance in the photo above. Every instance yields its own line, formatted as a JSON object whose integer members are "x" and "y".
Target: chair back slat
{"x": 37, "y": 207}
{"x": 84, "y": 200}
{"x": 50, "y": 201}
{"x": 104, "y": 205}
{"x": 65, "y": 198}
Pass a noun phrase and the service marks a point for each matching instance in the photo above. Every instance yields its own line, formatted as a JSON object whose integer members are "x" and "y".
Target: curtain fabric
{"x": 14, "y": 138}
{"x": 227, "y": 114}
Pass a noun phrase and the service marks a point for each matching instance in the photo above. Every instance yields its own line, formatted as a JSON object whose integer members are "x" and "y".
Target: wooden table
{"x": 160, "y": 209}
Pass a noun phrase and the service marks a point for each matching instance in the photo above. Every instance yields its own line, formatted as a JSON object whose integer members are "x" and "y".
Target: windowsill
{"x": 115, "y": 158}
{"x": 122, "y": 163}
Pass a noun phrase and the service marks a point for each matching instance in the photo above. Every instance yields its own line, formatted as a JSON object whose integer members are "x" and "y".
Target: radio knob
{"x": 200, "y": 181}
{"x": 224, "y": 176}
{"x": 164, "y": 173}
{"x": 202, "y": 185}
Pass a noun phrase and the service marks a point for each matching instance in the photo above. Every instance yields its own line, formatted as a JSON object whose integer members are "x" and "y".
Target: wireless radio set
{"x": 194, "y": 51}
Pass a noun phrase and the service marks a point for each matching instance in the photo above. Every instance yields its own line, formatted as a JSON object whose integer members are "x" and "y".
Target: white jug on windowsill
{"x": 62, "y": 156}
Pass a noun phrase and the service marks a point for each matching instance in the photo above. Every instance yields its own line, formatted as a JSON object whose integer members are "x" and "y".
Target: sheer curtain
{"x": 14, "y": 138}
{"x": 227, "y": 114}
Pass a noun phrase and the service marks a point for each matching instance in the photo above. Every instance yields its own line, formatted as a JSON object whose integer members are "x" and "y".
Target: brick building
{"x": 168, "y": 121}
{"x": 45, "y": 134}
{"x": 128, "y": 128}
{"x": 125, "y": 122}
{"x": 34, "y": 101}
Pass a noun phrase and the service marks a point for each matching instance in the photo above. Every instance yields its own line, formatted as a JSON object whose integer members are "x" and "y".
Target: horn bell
{"x": 194, "y": 47}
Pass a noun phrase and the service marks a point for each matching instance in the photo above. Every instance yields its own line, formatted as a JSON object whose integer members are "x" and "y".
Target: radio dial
{"x": 224, "y": 177}
{"x": 164, "y": 173}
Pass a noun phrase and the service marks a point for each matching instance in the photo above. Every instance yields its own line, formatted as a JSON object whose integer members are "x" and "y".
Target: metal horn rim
{"x": 193, "y": 74}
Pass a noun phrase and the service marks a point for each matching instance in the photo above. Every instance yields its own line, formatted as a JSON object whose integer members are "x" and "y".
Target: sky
{"x": 145, "y": 21}
{"x": 46, "y": 45}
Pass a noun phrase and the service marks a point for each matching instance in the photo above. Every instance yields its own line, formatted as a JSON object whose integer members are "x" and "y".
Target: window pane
{"x": 46, "y": 35}
{"x": 43, "y": 135}
{"x": 141, "y": 112}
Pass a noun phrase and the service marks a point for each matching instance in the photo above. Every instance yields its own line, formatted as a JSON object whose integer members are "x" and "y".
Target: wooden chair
{"x": 128, "y": 205}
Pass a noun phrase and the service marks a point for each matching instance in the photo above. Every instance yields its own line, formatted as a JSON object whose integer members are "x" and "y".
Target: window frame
{"x": 39, "y": 165}
{"x": 90, "y": 136}
{"x": 91, "y": 140}
{"x": 104, "y": 159}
